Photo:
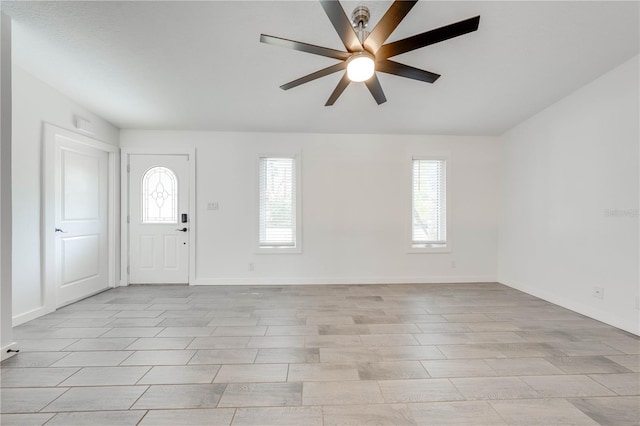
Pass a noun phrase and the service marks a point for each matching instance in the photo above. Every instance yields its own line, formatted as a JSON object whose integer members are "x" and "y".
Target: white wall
{"x": 34, "y": 103}
{"x": 6, "y": 336}
{"x": 355, "y": 207}
{"x": 569, "y": 216}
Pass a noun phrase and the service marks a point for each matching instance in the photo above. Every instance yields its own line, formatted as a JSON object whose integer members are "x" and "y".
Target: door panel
{"x": 158, "y": 196}
{"x": 81, "y": 200}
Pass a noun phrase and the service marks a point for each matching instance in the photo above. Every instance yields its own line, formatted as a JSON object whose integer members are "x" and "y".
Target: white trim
{"x": 257, "y": 249}
{"x": 125, "y": 153}
{"x": 31, "y": 315}
{"x": 348, "y": 280}
{"x": 50, "y": 132}
{"x": 599, "y": 315}
{"x": 448, "y": 248}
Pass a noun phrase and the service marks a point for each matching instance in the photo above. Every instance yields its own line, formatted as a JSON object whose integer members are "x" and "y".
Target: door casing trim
{"x": 50, "y": 132}
{"x": 125, "y": 154}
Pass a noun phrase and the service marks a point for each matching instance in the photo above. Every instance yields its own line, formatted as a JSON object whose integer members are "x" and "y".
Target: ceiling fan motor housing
{"x": 360, "y": 20}
{"x": 360, "y": 16}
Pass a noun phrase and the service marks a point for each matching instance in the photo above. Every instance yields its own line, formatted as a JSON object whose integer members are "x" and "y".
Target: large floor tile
{"x": 458, "y": 368}
{"x": 378, "y": 414}
{"x": 160, "y": 343}
{"x": 262, "y": 395}
{"x": 588, "y": 365}
{"x": 276, "y": 342}
{"x": 179, "y": 374}
{"x": 34, "y": 359}
{"x": 566, "y": 386}
{"x": 159, "y": 358}
{"x": 101, "y": 344}
{"x": 109, "y": 376}
{"x": 27, "y": 400}
{"x": 621, "y": 411}
{"x": 322, "y": 372}
{"x": 278, "y": 416}
{"x": 190, "y": 417}
{"x": 219, "y": 342}
{"x": 97, "y": 398}
{"x": 34, "y": 377}
{"x": 391, "y": 370}
{"x": 224, "y": 356}
{"x": 252, "y": 373}
{"x": 419, "y": 390}
{"x": 622, "y": 383}
{"x": 340, "y": 393}
{"x": 494, "y": 388}
{"x": 180, "y": 396}
{"x": 93, "y": 359}
{"x": 288, "y": 355}
{"x": 35, "y": 419}
{"x": 522, "y": 366}
{"x": 541, "y": 412}
{"x": 97, "y": 418}
{"x": 467, "y": 413}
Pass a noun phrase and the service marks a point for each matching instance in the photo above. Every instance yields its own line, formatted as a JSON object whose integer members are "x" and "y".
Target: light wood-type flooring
{"x": 429, "y": 354}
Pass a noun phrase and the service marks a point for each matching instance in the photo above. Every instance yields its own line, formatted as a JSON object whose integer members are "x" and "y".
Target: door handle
{"x": 182, "y": 230}
{"x": 60, "y": 230}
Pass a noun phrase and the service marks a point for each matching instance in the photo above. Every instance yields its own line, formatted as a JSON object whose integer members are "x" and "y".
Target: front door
{"x": 158, "y": 219}
{"x": 81, "y": 221}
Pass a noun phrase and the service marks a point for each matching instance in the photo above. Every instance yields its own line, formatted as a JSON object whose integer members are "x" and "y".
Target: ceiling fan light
{"x": 360, "y": 67}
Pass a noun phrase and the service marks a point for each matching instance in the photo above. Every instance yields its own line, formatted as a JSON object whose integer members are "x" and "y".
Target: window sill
{"x": 429, "y": 249}
{"x": 278, "y": 250}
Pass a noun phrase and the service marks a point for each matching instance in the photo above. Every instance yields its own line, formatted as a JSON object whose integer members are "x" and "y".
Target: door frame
{"x": 125, "y": 154}
{"x": 49, "y": 293}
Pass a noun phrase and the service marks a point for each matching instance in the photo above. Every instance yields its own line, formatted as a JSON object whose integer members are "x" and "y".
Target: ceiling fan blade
{"x": 391, "y": 19}
{"x": 427, "y": 38}
{"x": 373, "y": 84}
{"x": 304, "y": 47}
{"x": 315, "y": 75}
{"x": 341, "y": 23}
{"x": 402, "y": 70}
{"x": 342, "y": 84}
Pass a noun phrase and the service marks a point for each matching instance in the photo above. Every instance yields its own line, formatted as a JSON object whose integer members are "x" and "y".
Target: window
{"x": 428, "y": 206}
{"x": 278, "y": 203}
{"x": 159, "y": 196}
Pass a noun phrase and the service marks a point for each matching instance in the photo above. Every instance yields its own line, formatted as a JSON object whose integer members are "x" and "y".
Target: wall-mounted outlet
{"x": 252, "y": 267}
{"x": 213, "y": 206}
{"x": 598, "y": 292}
{"x": 453, "y": 264}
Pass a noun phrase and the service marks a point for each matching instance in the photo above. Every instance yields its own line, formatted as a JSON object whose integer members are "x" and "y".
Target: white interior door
{"x": 81, "y": 220}
{"x": 158, "y": 219}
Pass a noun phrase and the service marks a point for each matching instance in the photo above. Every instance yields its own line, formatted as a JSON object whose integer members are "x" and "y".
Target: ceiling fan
{"x": 366, "y": 52}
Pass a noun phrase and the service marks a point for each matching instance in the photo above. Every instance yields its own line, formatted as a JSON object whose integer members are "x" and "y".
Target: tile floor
{"x": 472, "y": 354}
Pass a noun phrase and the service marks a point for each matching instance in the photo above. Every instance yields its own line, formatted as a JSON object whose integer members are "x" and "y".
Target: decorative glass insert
{"x": 159, "y": 196}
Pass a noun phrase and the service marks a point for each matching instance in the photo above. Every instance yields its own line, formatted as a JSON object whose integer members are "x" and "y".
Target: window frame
{"x": 297, "y": 248}
{"x": 447, "y": 246}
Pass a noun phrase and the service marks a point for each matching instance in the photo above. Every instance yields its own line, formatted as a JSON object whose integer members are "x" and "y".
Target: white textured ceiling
{"x": 200, "y": 65}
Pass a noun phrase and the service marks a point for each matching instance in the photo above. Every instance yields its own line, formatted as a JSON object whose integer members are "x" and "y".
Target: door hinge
{"x": 128, "y": 168}
{"x": 128, "y": 270}
{"x": 128, "y": 219}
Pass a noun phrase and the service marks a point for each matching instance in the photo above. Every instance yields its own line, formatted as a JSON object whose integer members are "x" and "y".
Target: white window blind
{"x": 428, "y": 222}
{"x": 277, "y": 202}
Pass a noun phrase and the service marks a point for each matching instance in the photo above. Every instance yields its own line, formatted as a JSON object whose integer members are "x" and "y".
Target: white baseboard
{"x": 343, "y": 280}
{"x": 6, "y": 354}
{"x": 597, "y": 314}
{"x": 30, "y": 315}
